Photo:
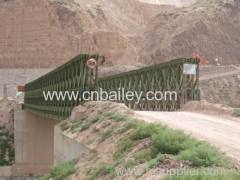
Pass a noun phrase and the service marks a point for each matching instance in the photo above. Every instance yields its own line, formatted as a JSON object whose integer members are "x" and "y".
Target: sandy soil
{"x": 222, "y": 132}
{"x": 214, "y": 76}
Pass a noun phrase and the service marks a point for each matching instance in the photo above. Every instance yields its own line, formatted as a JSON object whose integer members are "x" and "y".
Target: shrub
{"x": 125, "y": 127}
{"x": 204, "y": 154}
{"x": 61, "y": 172}
{"x": 169, "y": 142}
{"x": 102, "y": 170}
{"x": 143, "y": 156}
{"x": 144, "y": 130}
{"x": 124, "y": 147}
{"x": 107, "y": 134}
{"x": 130, "y": 163}
{"x": 156, "y": 161}
{"x": 115, "y": 117}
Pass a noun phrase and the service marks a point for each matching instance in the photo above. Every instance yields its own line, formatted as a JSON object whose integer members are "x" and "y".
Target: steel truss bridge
{"x": 76, "y": 76}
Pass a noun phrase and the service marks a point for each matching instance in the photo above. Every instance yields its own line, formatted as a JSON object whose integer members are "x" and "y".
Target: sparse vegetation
{"x": 143, "y": 156}
{"x": 171, "y": 142}
{"x": 80, "y": 124}
{"x": 115, "y": 117}
{"x": 101, "y": 170}
{"x": 139, "y": 144}
{"x": 61, "y": 171}
{"x": 106, "y": 134}
{"x": 7, "y": 154}
{"x": 125, "y": 127}
{"x": 156, "y": 161}
{"x": 124, "y": 147}
{"x": 85, "y": 122}
{"x": 202, "y": 154}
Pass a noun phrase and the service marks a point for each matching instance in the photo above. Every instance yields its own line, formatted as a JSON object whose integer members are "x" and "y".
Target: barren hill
{"x": 209, "y": 27}
{"x": 48, "y": 33}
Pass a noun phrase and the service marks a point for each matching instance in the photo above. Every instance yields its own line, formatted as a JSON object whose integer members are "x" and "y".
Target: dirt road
{"x": 220, "y": 75}
{"x": 221, "y": 132}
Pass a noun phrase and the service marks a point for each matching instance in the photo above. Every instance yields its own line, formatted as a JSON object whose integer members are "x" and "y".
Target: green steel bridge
{"x": 179, "y": 75}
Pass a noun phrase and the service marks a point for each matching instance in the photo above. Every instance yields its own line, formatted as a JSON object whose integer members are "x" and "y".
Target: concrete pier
{"x": 34, "y": 143}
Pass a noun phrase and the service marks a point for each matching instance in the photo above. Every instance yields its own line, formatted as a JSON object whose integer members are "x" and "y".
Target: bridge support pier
{"x": 34, "y": 143}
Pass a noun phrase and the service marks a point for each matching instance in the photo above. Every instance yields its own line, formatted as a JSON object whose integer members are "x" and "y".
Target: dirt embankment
{"x": 218, "y": 129}
{"x": 120, "y": 146}
{"x": 205, "y": 107}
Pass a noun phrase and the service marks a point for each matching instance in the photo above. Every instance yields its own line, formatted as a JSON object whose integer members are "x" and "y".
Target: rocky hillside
{"x": 224, "y": 90}
{"x": 210, "y": 28}
{"x": 47, "y": 33}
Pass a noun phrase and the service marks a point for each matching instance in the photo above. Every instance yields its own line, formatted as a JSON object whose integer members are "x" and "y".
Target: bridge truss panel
{"x": 74, "y": 76}
{"x": 164, "y": 77}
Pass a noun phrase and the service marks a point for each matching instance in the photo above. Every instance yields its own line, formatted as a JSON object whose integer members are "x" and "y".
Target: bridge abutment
{"x": 34, "y": 143}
